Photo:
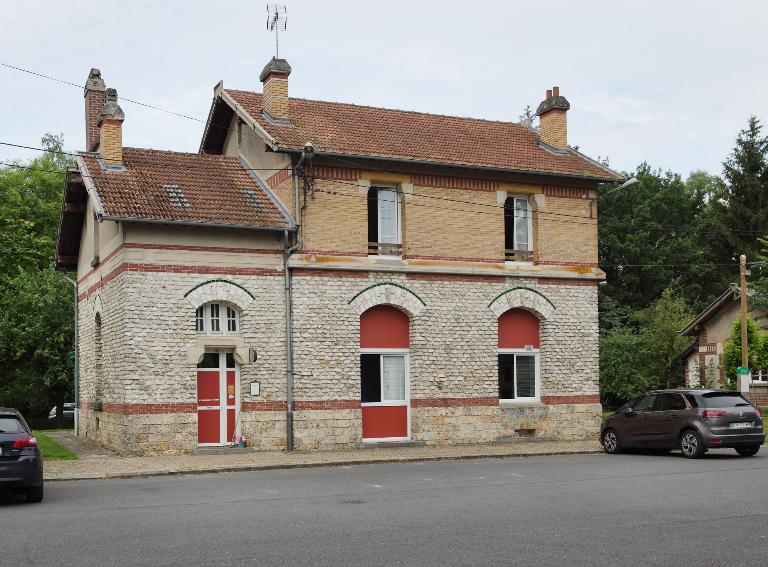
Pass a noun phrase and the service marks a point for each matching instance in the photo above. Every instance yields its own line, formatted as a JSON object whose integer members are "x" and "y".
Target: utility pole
{"x": 743, "y": 377}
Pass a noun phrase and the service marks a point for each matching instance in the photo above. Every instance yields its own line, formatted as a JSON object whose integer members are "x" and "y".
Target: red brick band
{"x": 568, "y": 192}
{"x": 578, "y": 399}
{"x": 304, "y": 405}
{"x": 279, "y": 177}
{"x": 335, "y": 173}
{"x": 453, "y": 402}
{"x": 454, "y": 183}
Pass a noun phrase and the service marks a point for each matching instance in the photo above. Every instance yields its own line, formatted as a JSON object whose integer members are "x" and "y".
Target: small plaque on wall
{"x": 255, "y": 388}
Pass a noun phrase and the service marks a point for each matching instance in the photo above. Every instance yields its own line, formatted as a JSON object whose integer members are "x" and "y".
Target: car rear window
{"x": 9, "y": 424}
{"x": 723, "y": 400}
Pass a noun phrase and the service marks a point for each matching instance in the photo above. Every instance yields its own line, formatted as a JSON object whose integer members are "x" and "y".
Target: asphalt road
{"x": 555, "y": 511}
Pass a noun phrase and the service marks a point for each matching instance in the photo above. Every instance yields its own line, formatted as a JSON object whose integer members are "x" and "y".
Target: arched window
{"x": 384, "y": 343}
{"x": 217, "y": 318}
{"x": 518, "y": 354}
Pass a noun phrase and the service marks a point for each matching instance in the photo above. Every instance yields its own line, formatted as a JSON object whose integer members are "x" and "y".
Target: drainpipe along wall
{"x": 289, "y": 309}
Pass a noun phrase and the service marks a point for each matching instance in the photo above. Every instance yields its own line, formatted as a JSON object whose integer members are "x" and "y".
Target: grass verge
{"x": 51, "y": 449}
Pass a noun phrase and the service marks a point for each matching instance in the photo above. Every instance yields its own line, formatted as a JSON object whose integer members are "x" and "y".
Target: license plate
{"x": 741, "y": 425}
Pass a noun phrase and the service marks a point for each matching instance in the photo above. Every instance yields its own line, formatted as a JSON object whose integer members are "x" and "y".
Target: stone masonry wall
{"x": 148, "y": 330}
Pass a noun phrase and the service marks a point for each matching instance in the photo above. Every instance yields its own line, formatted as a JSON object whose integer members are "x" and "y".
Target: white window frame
{"x": 529, "y": 211}
{"x": 223, "y": 319}
{"x": 536, "y": 353}
{"x": 406, "y": 402}
{"x": 760, "y": 377}
{"x": 398, "y": 220}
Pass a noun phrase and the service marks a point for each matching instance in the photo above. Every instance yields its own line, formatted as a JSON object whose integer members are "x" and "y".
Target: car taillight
{"x": 757, "y": 413}
{"x": 713, "y": 413}
{"x": 25, "y": 442}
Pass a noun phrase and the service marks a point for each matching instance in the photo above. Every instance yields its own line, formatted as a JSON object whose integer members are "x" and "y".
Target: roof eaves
{"x": 708, "y": 312}
{"x": 458, "y": 165}
{"x": 143, "y": 220}
{"x": 90, "y": 186}
{"x": 619, "y": 176}
{"x": 250, "y": 120}
{"x": 268, "y": 192}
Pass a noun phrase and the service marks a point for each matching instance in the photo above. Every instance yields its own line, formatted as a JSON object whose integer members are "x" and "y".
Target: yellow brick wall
{"x": 111, "y": 142}
{"x": 553, "y": 126}
{"x": 285, "y": 193}
{"x": 276, "y": 98}
{"x": 566, "y": 238}
{"x": 440, "y": 228}
{"x": 336, "y": 222}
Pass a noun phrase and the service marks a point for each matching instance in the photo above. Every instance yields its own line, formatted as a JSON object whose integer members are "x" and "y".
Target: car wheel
{"x": 611, "y": 443}
{"x": 35, "y": 493}
{"x": 691, "y": 444}
{"x": 750, "y": 451}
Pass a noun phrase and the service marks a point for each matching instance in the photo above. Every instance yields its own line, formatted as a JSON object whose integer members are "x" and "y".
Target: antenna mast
{"x": 277, "y": 21}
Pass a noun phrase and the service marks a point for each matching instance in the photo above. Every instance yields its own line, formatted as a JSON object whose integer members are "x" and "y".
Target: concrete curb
{"x": 278, "y": 466}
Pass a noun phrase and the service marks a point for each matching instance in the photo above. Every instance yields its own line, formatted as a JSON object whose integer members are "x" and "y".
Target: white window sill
{"x": 516, "y": 263}
{"x": 523, "y": 403}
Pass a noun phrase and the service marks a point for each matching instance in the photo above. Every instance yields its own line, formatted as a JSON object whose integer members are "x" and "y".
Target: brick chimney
{"x": 553, "y": 121}
{"x": 94, "y": 103}
{"x": 111, "y": 129}
{"x": 274, "y": 78}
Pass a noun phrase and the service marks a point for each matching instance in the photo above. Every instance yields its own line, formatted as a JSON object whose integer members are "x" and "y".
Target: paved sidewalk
{"x": 112, "y": 466}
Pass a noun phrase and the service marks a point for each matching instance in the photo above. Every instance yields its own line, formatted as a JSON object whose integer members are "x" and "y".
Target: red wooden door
{"x": 208, "y": 407}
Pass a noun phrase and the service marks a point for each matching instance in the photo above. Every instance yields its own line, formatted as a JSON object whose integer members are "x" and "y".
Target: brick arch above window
{"x": 522, "y": 298}
{"x": 219, "y": 291}
{"x": 387, "y": 293}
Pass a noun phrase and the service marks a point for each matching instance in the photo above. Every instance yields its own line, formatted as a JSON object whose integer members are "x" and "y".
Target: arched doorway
{"x": 384, "y": 380}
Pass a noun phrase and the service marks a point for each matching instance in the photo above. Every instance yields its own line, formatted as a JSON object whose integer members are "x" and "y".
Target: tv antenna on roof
{"x": 277, "y": 20}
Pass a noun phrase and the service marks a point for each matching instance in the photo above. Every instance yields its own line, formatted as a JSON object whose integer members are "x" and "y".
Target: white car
{"x": 69, "y": 411}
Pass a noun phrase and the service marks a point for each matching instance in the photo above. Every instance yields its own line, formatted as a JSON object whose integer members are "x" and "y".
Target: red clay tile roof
{"x": 397, "y": 134}
{"x": 212, "y": 186}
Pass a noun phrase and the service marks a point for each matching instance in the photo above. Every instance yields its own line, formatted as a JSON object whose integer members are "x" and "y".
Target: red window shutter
{"x": 518, "y": 328}
{"x": 384, "y": 327}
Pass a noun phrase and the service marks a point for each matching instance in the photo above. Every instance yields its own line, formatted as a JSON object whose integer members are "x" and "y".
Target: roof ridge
{"x": 419, "y": 112}
{"x": 193, "y": 154}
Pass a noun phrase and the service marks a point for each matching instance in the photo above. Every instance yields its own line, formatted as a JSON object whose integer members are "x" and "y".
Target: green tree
{"x": 36, "y": 312}
{"x": 756, "y": 350}
{"x": 740, "y": 206}
{"x": 655, "y": 234}
{"x": 642, "y": 355}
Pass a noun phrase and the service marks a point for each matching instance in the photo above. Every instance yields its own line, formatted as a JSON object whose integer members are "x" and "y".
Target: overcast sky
{"x": 667, "y": 82}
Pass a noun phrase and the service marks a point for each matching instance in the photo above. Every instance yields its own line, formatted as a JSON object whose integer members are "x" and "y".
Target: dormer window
{"x": 217, "y": 318}
{"x": 518, "y": 245}
{"x": 384, "y": 222}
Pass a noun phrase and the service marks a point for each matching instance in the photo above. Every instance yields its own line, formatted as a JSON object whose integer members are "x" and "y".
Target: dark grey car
{"x": 690, "y": 420}
{"x": 21, "y": 463}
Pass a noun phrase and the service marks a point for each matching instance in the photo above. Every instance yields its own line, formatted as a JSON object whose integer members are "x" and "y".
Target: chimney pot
{"x": 553, "y": 121}
{"x": 93, "y": 91}
{"x": 274, "y": 78}
{"x": 111, "y": 129}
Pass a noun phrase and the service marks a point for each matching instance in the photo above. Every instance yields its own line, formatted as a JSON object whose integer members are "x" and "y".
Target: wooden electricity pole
{"x": 743, "y": 293}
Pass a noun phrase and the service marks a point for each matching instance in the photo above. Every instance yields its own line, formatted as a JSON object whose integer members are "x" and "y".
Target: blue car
{"x": 21, "y": 463}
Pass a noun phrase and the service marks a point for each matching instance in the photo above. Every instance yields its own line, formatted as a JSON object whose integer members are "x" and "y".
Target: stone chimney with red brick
{"x": 553, "y": 121}
{"x": 94, "y": 103}
{"x": 111, "y": 129}
{"x": 274, "y": 79}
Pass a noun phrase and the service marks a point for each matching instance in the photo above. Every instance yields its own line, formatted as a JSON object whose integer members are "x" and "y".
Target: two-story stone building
{"x": 323, "y": 275}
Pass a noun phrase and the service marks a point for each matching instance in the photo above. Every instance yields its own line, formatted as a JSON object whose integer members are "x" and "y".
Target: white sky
{"x": 668, "y": 82}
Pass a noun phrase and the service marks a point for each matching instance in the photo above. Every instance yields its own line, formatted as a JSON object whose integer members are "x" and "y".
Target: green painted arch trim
{"x": 526, "y": 289}
{"x": 220, "y": 281}
{"x": 358, "y": 294}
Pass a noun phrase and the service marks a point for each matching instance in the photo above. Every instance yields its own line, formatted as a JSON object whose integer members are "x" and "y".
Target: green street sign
{"x": 742, "y": 370}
